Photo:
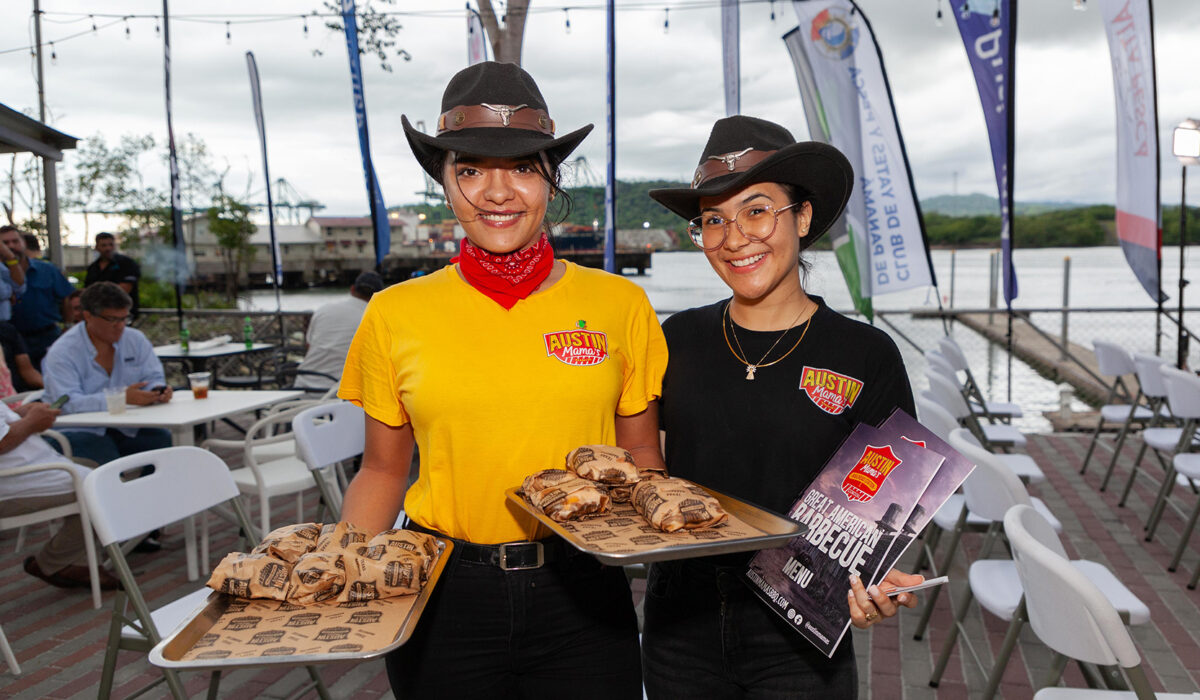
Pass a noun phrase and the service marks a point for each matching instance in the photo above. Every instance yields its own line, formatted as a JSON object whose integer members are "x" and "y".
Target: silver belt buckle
{"x": 541, "y": 556}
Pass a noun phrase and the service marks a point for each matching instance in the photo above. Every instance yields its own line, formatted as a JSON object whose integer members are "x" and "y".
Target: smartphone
{"x": 60, "y": 401}
{"x": 927, "y": 583}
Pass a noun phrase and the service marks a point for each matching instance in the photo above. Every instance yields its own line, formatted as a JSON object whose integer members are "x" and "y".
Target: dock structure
{"x": 1077, "y": 366}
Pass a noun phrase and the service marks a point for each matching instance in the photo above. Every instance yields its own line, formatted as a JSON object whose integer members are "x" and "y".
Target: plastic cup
{"x": 200, "y": 382}
{"x": 114, "y": 397}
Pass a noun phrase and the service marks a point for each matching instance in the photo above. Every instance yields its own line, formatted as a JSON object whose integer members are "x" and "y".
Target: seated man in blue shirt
{"x": 38, "y": 311}
{"x": 101, "y": 353}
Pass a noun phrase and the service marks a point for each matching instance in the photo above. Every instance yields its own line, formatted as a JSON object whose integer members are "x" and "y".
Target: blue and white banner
{"x": 379, "y": 218}
{"x": 610, "y": 133}
{"x": 731, "y": 57}
{"x": 256, "y": 99}
{"x": 881, "y": 243}
{"x": 1128, "y": 24}
{"x": 989, "y": 33}
{"x": 476, "y": 38}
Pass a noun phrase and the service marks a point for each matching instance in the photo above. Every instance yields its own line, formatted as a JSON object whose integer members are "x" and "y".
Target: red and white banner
{"x": 1128, "y": 24}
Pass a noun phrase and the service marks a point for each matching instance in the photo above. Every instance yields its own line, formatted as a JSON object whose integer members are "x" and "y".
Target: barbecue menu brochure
{"x": 857, "y": 510}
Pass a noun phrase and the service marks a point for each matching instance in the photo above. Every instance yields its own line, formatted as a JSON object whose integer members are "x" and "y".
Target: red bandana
{"x": 506, "y": 279}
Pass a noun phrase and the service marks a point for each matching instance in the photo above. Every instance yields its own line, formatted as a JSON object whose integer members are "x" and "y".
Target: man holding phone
{"x": 103, "y": 353}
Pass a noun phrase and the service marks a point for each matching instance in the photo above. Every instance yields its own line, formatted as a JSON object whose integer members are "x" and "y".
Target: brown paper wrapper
{"x": 608, "y": 465}
{"x": 341, "y": 565}
{"x": 540, "y": 481}
{"x": 676, "y": 504}
{"x": 571, "y": 500}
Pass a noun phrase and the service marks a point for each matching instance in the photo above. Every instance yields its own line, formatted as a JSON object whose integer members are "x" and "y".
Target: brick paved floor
{"x": 59, "y": 638}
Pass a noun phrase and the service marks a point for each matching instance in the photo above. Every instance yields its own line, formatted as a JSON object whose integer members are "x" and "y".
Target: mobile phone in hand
{"x": 927, "y": 583}
{"x": 60, "y": 401}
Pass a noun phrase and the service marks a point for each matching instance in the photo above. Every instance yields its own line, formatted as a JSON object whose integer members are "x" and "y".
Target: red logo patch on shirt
{"x": 832, "y": 392}
{"x": 581, "y": 348}
{"x": 864, "y": 480}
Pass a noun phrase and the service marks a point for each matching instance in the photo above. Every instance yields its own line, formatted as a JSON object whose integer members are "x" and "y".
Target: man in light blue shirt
{"x": 98, "y": 354}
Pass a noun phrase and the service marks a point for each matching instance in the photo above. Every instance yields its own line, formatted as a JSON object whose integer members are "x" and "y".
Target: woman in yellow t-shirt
{"x": 479, "y": 365}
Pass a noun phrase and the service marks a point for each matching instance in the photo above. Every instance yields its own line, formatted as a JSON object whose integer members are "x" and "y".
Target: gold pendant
{"x": 750, "y": 372}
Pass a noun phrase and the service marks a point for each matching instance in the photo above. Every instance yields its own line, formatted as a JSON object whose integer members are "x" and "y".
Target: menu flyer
{"x": 861, "y": 508}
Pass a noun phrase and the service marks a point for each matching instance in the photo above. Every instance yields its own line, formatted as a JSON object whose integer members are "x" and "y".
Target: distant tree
{"x": 377, "y": 29}
{"x": 229, "y": 222}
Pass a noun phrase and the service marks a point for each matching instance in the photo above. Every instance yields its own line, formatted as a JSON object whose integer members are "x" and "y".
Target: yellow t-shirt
{"x": 495, "y": 395}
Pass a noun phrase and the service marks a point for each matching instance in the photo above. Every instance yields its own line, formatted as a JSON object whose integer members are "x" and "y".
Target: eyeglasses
{"x": 757, "y": 222}
{"x": 113, "y": 319}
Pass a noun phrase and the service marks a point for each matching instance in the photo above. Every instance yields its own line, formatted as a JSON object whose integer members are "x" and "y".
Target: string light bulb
{"x": 128, "y": 36}
{"x": 228, "y": 36}
{"x": 304, "y": 21}
{"x": 937, "y": 19}
{"x": 53, "y": 55}
{"x": 157, "y": 29}
{"x": 567, "y": 19}
{"x": 666, "y": 19}
{"x": 772, "y": 10}
{"x": 93, "y": 19}
{"x": 995, "y": 22}
{"x": 965, "y": 13}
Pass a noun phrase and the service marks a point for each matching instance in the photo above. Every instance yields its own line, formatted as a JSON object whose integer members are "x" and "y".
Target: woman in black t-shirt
{"x": 760, "y": 390}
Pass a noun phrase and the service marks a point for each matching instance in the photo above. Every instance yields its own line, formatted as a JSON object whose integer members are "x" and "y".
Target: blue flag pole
{"x": 610, "y": 184}
{"x": 379, "y": 219}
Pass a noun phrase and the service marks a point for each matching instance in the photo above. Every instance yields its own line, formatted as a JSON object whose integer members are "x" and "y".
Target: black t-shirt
{"x": 121, "y": 268}
{"x": 764, "y": 440}
{"x": 13, "y": 345}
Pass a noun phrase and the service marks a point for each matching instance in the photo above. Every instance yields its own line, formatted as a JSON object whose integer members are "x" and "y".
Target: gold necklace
{"x": 740, "y": 354}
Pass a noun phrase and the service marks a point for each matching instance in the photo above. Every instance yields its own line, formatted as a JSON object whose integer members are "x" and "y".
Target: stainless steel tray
{"x": 283, "y": 634}
{"x": 623, "y": 537}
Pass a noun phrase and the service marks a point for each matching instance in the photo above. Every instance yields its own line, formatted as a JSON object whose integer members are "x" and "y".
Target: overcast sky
{"x": 669, "y": 91}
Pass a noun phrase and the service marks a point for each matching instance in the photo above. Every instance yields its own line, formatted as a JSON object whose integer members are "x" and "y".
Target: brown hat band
{"x": 491, "y": 116}
{"x": 736, "y": 162}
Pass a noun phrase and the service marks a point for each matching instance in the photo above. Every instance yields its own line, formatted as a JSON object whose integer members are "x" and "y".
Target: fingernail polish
{"x": 873, "y": 590}
{"x": 853, "y": 579}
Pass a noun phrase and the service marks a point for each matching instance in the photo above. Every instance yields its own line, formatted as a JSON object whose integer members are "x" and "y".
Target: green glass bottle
{"x": 184, "y": 337}
{"x": 248, "y": 333}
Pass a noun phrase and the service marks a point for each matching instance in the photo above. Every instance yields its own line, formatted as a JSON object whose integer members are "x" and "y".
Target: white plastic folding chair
{"x": 1122, "y": 405}
{"x": 327, "y": 435}
{"x": 990, "y": 491}
{"x": 1163, "y": 434}
{"x": 1072, "y": 614}
{"x": 127, "y": 500}
{"x": 50, "y": 514}
{"x": 937, "y": 419}
{"x": 9, "y": 657}
{"x": 1183, "y": 388}
{"x": 270, "y": 466}
{"x": 992, "y": 410}
{"x": 992, "y": 436}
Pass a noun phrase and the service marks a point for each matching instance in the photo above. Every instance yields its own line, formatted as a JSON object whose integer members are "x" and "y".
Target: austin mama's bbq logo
{"x": 864, "y": 480}
{"x": 832, "y": 392}
{"x": 579, "y": 347}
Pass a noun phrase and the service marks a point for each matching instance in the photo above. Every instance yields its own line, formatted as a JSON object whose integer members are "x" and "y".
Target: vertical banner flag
{"x": 180, "y": 255}
{"x": 379, "y": 218}
{"x": 476, "y": 39}
{"x": 731, "y": 51}
{"x": 989, "y": 33}
{"x": 256, "y": 100}
{"x": 1139, "y": 218}
{"x": 610, "y": 174}
{"x": 880, "y": 245}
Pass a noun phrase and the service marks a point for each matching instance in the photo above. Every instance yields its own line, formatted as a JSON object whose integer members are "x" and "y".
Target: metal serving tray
{"x": 228, "y": 632}
{"x": 623, "y": 537}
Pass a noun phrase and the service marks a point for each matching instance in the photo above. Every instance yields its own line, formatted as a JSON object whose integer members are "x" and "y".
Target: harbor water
{"x": 1099, "y": 278}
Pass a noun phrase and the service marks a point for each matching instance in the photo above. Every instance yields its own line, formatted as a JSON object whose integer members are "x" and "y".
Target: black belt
{"x": 510, "y": 556}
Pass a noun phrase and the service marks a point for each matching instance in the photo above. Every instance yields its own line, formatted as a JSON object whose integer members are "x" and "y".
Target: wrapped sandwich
{"x": 676, "y": 504}
{"x": 569, "y": 499}
{"x": 607, "y": 465}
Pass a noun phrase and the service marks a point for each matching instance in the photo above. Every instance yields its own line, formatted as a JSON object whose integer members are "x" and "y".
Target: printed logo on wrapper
{"x": 834, "y": 33}
{"x": 864, "y": 480}
{"x": 579, "y": 347}
{"x": 833, "y": 393}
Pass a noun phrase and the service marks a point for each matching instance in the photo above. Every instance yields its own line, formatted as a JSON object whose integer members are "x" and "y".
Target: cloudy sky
{"x": 669, "y": 91}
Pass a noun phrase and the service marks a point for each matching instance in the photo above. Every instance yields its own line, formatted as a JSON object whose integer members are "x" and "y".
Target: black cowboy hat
{"x": 744, "y": 150}
{"x": 494, "y": 110}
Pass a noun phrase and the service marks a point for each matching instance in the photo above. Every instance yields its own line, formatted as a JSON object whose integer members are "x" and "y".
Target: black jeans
{"x": 706, "y": 635}
{"x": 565, "y": 630}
